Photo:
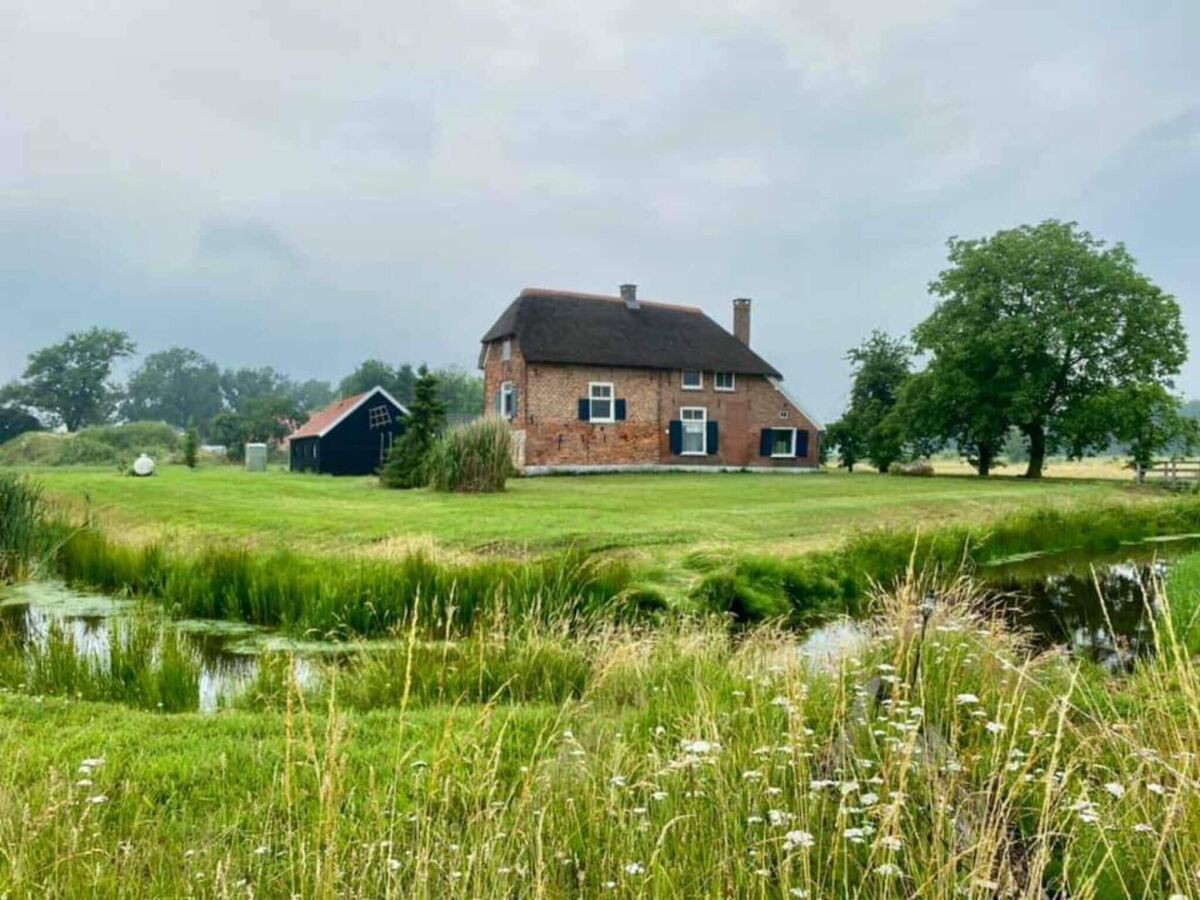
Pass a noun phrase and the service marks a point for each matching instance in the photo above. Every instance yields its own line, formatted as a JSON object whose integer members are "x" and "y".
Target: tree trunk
{"x": 985, "y": 461}
{"x": 1037, "y": 450}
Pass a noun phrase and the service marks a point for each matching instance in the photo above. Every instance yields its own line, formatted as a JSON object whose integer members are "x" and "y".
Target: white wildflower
{"x": 634, "y": 868}
{"x": 889, "y": 870}
{"x": 1143, "y": 828}
{"x": 1156, "y": 788}
{"x": 994, "y": 727}
{"x": 966, "y": 699}
{"x": 1116, "y": 789}
{"x": 798, "y": 839}
{"x": 698, "y": 748}
{"x": 617, "y": 781}
{"x": 98, "y": 799}
{"x": 891, "y": 843}
{"x": 868, "y": 799}
{"x": 659, "y": 795}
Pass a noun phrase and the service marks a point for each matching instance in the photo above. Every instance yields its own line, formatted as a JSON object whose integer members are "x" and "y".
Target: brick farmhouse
{"x": 593, "y": 383}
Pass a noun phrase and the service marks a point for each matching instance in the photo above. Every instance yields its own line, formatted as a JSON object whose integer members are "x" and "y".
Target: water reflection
{"x": 1101, "y": 612}
{"x": 228, "y": 655}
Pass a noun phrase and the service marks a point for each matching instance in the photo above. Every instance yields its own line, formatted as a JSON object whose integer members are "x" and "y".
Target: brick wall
{"x": 548, "y": 415}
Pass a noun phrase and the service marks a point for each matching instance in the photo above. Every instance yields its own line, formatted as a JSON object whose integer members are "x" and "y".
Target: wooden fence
{"x": 1172, "y": 471}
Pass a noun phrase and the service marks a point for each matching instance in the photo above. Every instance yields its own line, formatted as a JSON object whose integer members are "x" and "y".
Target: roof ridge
{"x": 580, "y": 295}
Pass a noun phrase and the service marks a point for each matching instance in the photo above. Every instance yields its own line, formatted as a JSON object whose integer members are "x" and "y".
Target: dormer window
{"x": 506, "y": 350}
{"x": 693, "y": 379}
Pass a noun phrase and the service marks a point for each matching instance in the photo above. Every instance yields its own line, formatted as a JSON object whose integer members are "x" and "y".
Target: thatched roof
{"x": 593, "y": 329}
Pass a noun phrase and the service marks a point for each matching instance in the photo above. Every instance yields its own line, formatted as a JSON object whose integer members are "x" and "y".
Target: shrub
{"x": 476, "y": 458}
{"x": 921, "y": 469}
{"x": 132, "y": 438}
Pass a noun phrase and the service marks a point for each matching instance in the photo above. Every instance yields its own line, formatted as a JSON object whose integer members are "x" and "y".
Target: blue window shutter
{"x": 585, "y": 409}
{"x": 767, "y": 441}
{"x": 712, "y": 438}
{"x": 516, "y": 397}
{"x": 676, "y": 430}
{"x": 801, "y": 442}
{"x": 619, "y": 410}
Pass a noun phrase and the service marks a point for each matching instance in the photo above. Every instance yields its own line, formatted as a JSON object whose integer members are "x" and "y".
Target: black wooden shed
{"x": 350, "y": 437}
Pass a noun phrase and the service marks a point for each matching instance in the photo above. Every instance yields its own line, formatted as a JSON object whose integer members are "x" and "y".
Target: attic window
{"x": 693, "y": 379}
{"x": 379, "y": 416}
{"x": 506, "y": 350}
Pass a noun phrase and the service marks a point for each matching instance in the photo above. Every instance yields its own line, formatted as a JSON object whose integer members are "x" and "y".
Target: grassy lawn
{"x": 665, "y": 515}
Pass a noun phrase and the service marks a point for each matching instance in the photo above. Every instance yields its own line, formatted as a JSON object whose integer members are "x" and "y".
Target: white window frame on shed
{"x": 683, "y": 380}
{"x": 611, "y": 400}
{"x": 717, "y": 386}
{"x": 379, "y": 416}
{"x": 691, "y": 424}
{"x": 791, "y": 454}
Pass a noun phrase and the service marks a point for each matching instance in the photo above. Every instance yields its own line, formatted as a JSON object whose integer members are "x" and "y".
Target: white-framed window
{"x": 783, "y": 442}
{"x": 723, "y": 381}
{"x": 693, "y": 379}
{"x": 506, "y": 400}
{"x": 379, "y": 416}
{"x": 695, "y": 431}
{"x": 783, "y": 413}
{"x": 506, "y": 350}
{"x": 600, "y": 402}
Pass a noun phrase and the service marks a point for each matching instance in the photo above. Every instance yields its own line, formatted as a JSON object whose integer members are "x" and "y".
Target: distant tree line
{"x": 72, "y": 384}
{"x": 1043, "y": 336}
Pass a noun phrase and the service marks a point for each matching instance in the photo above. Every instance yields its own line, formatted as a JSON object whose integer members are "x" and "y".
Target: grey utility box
{"x": 256, "y": 457}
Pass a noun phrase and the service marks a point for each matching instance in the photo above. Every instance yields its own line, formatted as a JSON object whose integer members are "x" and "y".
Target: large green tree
{"x": 239, "y": 386}
{"x": 71, "y": 382}
{"x": 368, "y": 374}
{"x": 177, "y": 386}
{"x": 880, "y": 367}
{"x": 1054, "y": 318}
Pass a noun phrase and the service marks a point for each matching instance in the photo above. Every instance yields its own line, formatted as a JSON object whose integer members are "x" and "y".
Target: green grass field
{"x": 665, "y": 515}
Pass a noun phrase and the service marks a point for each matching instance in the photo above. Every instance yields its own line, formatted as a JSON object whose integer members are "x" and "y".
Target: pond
{"x": 228, "y": 651}
{"x": 1098, "y": 605}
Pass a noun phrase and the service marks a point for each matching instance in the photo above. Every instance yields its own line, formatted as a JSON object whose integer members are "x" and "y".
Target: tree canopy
{"x": 70, "y": 382}
{"x": 177, "y": 386}
{"x": 1043, "y": 327}
{"x": 880, "y": 367}
{"x": 406, "y": 464}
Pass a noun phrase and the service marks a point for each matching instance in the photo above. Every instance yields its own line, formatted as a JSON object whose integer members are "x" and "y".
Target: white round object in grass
{"x": 143, "y": 466}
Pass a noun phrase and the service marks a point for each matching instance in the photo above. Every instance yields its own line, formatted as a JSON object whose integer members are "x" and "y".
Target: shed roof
{"x": 321, "y": 422}
{"x": 595, "y": 329}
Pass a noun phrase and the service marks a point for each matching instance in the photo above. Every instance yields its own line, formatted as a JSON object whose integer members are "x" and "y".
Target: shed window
{"x": 783, "y": 442}
{"x": 694, "y": 419}
{"x": 693, "y": 379}
{"x": 379, "y": 416}
{"x": 723, "y": 381}
{"x": 600, "y": 401}
{"x": 506, "y": 350}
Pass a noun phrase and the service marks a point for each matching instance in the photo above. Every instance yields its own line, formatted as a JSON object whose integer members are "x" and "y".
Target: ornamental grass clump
{"x": 476, "y": 458}
{"x": 22, "y": 516}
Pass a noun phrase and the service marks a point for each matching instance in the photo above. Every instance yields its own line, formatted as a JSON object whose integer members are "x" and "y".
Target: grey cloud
{"x": 306, "y": 184}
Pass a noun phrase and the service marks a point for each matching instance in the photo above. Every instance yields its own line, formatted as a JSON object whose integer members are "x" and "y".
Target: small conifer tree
{"x": 191, "y": 447}
{"x": 405, "y": 466}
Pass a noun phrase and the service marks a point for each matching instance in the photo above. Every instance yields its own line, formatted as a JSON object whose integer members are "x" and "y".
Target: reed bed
{"x": 137, "y": 662}
{"x": 22, "y": 526}
{"x": 938, "y": 758}
{"x": 348, "y": 597}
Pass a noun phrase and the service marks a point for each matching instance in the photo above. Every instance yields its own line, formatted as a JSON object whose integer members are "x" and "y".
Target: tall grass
{"x": 138, "y": 663}
{"x": 474, "y": 458}
{"x": 814, "y": 586}
{"x": 940, "y": 759}
{"x": 354, "y": 597}
{"x": 22, "y": 526}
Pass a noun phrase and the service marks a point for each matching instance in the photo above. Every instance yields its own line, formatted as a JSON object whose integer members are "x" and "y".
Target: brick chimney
{"x": 741, "y": 320}
{"x": 629, "y": 295}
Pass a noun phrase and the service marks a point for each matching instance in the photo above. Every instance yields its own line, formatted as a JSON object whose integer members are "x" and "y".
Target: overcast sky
{"x": 306, "y": 184}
